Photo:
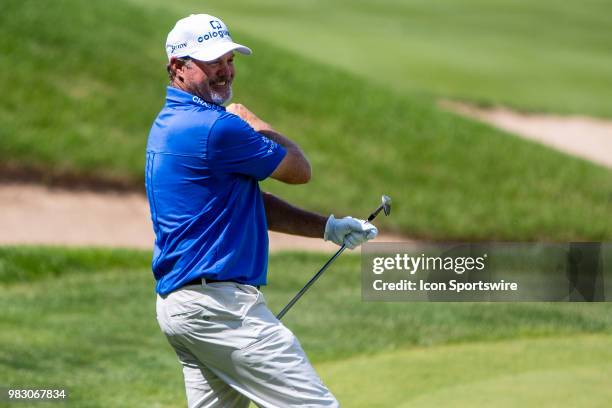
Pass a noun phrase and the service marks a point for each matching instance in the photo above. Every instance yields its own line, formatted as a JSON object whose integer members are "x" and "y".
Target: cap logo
{"x": 200, "y": 36}
{"x": 221, "y": 33}
{"x": 174, "y": 47}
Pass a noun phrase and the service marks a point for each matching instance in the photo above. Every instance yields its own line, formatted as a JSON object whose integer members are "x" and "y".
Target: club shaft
{"x": 374, "y": 214}
{"x": 318, "y": 274}
{"x": 310, "y": 282}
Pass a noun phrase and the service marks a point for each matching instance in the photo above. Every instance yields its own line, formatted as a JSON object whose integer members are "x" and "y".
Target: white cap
{"x": 201, "y": 37}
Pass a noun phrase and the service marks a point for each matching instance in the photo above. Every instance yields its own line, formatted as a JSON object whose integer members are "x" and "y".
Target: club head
{"x": 386, "y": 204}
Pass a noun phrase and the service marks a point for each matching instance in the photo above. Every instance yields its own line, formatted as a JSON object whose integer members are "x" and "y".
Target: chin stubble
{"x": 220, "y": 99}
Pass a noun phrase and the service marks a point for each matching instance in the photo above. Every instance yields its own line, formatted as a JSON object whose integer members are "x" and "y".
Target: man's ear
{"x": 176, "y": 66}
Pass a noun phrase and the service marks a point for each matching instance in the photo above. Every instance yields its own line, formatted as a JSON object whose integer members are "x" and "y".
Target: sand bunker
{"x": 34, "y": 214}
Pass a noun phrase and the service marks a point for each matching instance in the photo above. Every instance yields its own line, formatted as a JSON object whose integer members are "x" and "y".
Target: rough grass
{"x": 90, "y": 327}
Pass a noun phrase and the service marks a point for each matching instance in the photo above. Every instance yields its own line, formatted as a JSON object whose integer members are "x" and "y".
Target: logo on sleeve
{"x": 270, "y": 143}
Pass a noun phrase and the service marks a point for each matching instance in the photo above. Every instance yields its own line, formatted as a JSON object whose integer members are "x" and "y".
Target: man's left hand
{"x": 349, "y": 231}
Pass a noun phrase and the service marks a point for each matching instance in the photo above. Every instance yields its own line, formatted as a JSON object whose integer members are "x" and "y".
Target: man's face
{"x": 211, "y": 81}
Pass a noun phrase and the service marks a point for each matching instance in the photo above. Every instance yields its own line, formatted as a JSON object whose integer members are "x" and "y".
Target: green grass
{"x": 569, "y": 371}
{"x": 541, "y": 56}
{"x": 77, "y": 101}
{"x": 83, "y": 99}
{"x": 90, "y": 327}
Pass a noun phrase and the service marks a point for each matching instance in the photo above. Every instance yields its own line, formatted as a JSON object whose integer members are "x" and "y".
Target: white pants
{"x": 233, "y": 349}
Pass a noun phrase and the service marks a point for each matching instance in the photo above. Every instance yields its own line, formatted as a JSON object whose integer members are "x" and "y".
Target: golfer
{"x": 204, "y": 162}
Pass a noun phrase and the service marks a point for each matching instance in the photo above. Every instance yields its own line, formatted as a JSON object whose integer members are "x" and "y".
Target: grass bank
{"x": 91, "y": 79}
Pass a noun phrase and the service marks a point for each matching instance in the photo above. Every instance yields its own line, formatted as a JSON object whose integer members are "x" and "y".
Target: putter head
{"x": 386, "y": 204}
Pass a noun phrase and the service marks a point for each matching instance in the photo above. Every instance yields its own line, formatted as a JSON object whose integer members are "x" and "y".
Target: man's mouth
{"x": 220, "y": 83}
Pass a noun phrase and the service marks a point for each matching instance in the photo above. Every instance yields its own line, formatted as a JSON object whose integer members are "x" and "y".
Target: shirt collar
{"x": 176, "y": 96}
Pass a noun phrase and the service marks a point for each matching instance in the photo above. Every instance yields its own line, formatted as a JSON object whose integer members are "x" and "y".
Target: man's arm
{"x": 283, "y": 217}
{"x": 294, "y": 168}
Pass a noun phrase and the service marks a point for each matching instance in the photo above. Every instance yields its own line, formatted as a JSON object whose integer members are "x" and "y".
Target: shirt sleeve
{"x": 235, "y": 147}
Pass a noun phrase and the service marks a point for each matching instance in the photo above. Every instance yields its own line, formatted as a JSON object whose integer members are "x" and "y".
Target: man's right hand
{"x": 249, "y": 117}
{"x": 294, "y": 168}
{"x": 349, "y": 231}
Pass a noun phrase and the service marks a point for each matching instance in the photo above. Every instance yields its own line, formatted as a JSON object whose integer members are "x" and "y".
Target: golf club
{"x": 385, "y": 206}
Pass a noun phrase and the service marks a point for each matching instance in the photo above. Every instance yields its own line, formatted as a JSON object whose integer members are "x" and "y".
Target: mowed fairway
{"x": 69, "y": 321}
{"x": 545, "y": 372}
{"x": 544, "y": 55}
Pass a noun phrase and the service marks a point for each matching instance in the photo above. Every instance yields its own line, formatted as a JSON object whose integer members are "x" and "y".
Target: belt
{"x": 199, "y": 281}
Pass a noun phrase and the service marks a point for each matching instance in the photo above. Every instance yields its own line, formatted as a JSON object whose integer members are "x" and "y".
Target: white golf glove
{"x": 349, "y": 231}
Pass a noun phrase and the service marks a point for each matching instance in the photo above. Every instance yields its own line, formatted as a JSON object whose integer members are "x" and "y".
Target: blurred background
{"x": 484, "y": 121}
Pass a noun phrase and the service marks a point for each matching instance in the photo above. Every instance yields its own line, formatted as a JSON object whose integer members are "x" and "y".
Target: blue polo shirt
{"x": 202, "y": 171}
